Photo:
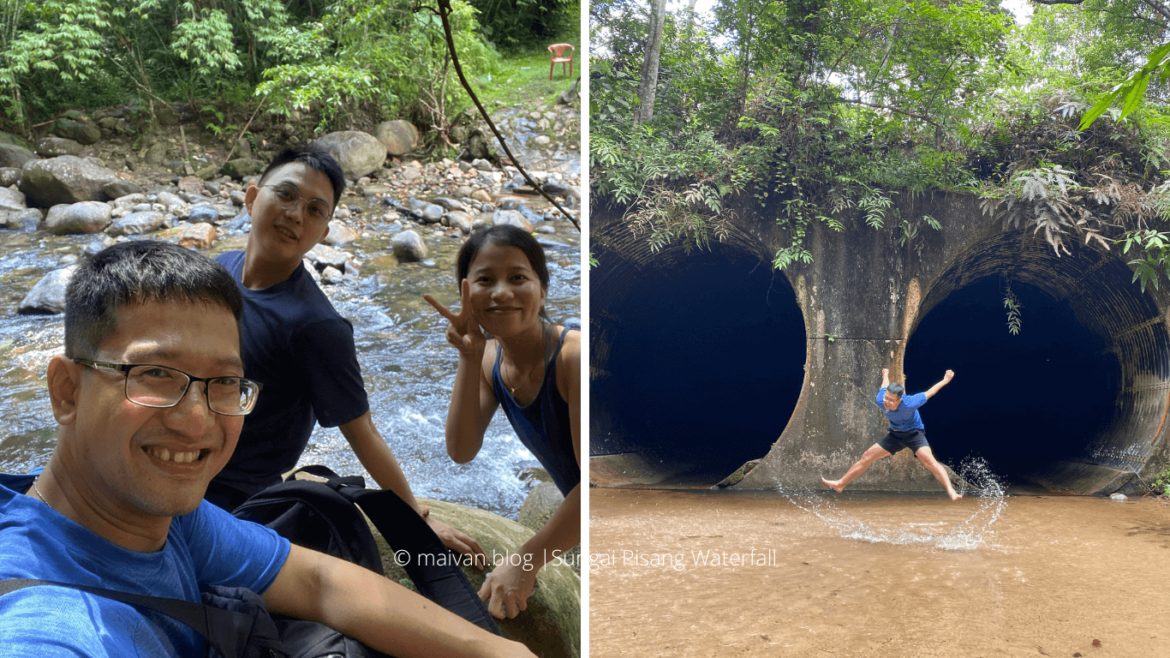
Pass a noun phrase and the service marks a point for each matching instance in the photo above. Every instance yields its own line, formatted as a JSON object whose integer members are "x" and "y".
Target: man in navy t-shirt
{"x": 150, "y": 396}
{"x": 297, "y": 345}
{"x": 906, "y": 431}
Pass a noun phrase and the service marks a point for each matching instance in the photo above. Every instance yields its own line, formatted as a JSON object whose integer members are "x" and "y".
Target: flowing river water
{"x": 807, "y": 574}
{"x": 406, "y": 362}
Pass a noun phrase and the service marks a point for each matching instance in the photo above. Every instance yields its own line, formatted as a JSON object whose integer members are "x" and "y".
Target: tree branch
{"x": 444, "y": 12}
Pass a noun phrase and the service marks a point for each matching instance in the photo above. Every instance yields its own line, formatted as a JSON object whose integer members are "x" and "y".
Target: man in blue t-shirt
{"x": 297, "y": 345}
{"x": 906, "y": 431}
{"x": 150, "y": 398}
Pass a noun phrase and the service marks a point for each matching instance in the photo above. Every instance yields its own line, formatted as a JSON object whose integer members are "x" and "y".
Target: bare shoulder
{"x": 571, "y": 349}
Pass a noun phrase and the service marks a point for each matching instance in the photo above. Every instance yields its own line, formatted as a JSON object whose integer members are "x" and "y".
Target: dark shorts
{"x": 895, "y": 441}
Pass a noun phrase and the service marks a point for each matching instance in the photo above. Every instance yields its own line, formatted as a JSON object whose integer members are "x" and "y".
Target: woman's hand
{"x": 463, "y": 332}
{"x": 507, "y": 589}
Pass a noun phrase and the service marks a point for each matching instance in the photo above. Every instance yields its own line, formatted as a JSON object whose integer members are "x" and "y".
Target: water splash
{"x": 978, "y": 483}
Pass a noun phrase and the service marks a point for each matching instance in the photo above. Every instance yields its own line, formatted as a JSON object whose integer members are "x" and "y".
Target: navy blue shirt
{"x": 302, "y": 351}
{"x": 905, "y": 418}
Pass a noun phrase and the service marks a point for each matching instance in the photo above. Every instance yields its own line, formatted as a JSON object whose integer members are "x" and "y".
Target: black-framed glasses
{"x": 288, "y": 197}
{"x": 162, "y": 387}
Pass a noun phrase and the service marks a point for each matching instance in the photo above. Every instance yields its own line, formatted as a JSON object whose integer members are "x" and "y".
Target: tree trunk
{"x": 649, "y": 80}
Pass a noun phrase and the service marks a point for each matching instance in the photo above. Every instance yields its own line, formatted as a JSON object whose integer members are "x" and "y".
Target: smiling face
{"x": 506, "y": 294}
{"x": 891, "y": 401}
{"x": 280, "y": 235}
{"x": 137, "y": 461}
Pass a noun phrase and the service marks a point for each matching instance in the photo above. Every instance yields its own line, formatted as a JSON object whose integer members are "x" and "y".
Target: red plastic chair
{"x": 557, "y": 52}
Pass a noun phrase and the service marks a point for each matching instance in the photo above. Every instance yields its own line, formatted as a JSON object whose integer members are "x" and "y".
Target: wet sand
{"x": 870, "y": 576}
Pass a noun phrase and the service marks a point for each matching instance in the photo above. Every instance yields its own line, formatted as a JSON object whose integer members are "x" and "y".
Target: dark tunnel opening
{"x": 698, "y": 360}
{"x": 1024, "y": 402}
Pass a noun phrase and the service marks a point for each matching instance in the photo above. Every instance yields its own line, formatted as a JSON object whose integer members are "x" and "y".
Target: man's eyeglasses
{"x": 288, "y": 197}
{"x": 162, "y": 387}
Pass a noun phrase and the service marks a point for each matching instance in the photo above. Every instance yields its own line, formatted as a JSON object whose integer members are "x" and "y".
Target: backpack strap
{"x": 226, "y": 631}
{"x": 439, "y": 577}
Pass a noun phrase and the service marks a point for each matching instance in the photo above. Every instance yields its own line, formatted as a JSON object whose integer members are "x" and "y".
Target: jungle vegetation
{"x": 824, "y": 112}
{"x": 336, "y": 59}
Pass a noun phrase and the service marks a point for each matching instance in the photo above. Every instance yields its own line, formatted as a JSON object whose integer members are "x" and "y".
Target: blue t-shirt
{"x": 302, "y": 351}
{"x": 905, "y": 418}
{"x": 206, "y": 547}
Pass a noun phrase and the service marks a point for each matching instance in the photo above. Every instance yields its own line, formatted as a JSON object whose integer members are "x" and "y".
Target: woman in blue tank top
{"x": 531, "y": 367}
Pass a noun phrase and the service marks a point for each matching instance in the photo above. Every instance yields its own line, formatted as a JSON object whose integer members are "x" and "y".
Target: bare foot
{"x": 954, "y": 496}
{"x": 835, "y": 485}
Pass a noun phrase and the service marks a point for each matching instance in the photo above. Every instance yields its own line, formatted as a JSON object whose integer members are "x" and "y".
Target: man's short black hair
{"x": 315, "y": 157}
{"x": 138, "y": 272}
{"x": 896, "y": 389}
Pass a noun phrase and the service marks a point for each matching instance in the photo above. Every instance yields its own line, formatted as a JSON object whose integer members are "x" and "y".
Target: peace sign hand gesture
{"x": 463, "y": 332}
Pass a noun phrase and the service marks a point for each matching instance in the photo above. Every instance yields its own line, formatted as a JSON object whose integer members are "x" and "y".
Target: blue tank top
{"x": 543, "y": 424}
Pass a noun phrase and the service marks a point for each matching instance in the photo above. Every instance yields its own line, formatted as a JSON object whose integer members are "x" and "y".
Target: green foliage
{"x": 515, "y": 24}
{"x": 1161, "y": 484}
{"x": 382, "y": 55}
{"x": 1014, "y": 311}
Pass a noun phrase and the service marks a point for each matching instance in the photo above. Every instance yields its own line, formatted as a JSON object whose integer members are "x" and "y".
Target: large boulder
{"x": 137, "y": 223}
{"x": 78, "y": 218}
{"x": 398, "y": 136}
{"x": 9, "y": 138}
{"x": 242, "y": 167}
{"x": 11, "y": 199}
{"x": 28, "y": 219}
{"x": 358, "y": 153}
{"x": 551, "y": 626}
{"x": 48, "y": 296}
{"x": 9, "y": 176}
{"x": 408, "y": 247}
{"x": 14, "y": 155}
{"x": 78, "y": 131}
{"x": 540, "y": 505}
{"x": 65, "y": 179}
{"x": 51, "y": 147}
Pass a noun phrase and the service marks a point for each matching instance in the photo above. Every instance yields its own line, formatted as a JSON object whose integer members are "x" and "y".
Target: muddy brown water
{"x": 820, "y": 574}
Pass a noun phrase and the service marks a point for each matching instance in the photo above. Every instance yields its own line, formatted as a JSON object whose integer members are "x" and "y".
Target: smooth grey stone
{"x": 78, "y": 218}
{"x": 47, "y": 297}
{"x": 407, "y": 246}
{"x": 137, "y": 224}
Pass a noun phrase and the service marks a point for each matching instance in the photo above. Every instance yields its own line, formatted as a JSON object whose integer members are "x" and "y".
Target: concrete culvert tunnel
{"x": 1083, "y": 385}
{"x": 697, "y": 363}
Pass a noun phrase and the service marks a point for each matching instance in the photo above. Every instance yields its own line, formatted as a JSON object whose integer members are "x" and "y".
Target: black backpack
{"x": 324, "y": 516}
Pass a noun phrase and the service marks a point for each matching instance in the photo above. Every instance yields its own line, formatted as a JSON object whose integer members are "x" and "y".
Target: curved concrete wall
{"x": 861, "y": 300}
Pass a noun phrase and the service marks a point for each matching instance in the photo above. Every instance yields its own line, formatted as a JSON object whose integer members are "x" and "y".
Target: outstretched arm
{"x": 378, "y": 459}
{"x": 377, "y": 611}
{"x": 472, "y": 401}
{"x": 943, "y": 382}
{"x": 885, "y": 377}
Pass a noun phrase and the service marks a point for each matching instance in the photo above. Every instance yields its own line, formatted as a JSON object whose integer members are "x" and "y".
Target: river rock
{"x": 191, "y": 185}
{"x": 324, "y": 256}
{"x": 9, "y": 138}
{"x": 64, "y": 179}
{"x": 511, "y": 217}
{"x": 459, "y": 220}
{"x": 540, "y": 505}
{"x": 28, "y": 219}
{"x": 570, "y": 95}
{"x": 137, "y": 224}
{"x": 171, "y": 201}
{"x": 97, "y": 244}
{"x": 78, "y": 218}
{"x": 358, "y": 153}
{"x": 78, "y": 131}
{"x": 51, "y": 147}
{"x": 410, "y": 175}
{"x": 48, "y": 296}
{"x": 449, "y": 203}
{"x": 481, "y": 195}
{"x": 197, "y": 236}
{"x": 203, "y": 214}
{"x": 9, "y": 176}
{"x": 130, "y": 200}
{"x": 429, "y": 213}
{"x": 166, "y": 115}
{"x": 120, "y": 188}
{"x": 12, "y": 155}
{"x": 241, "y": 167}
{"x": 408, "y": 247}
{"x": 11, "y": 199}
{"x": 1118, "y": 497}
{"x": 332, "y": 276}
{"x": 551, "y": 625}
{"x": 398, "y": 136}
{"x": 339, "y": 234}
